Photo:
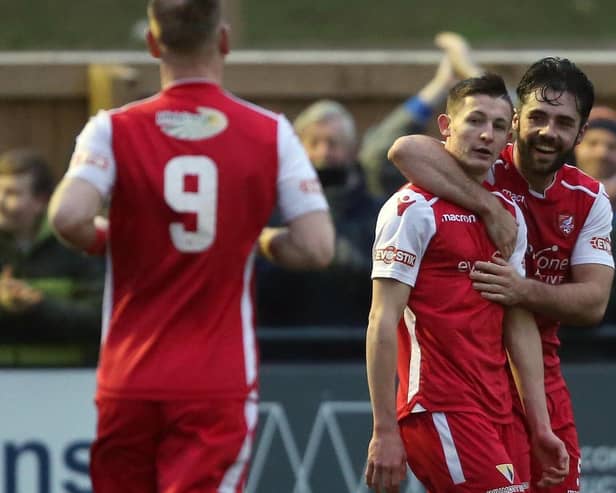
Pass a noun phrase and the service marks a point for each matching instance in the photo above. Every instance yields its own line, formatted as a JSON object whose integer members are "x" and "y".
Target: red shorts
{"x": 460, "y": 453}
{"x": 172, "y": 446}
{"x": 563, "y": 425}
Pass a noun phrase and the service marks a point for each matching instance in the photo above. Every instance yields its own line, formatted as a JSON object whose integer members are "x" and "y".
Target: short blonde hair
{"x": 184, "y": 26}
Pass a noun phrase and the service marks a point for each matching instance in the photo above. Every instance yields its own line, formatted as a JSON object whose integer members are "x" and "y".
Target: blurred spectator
{"x": 412, "y": 116}
{"x": 596, "y": 153}
{"x": 340, "y": 295}
{"x": 353, "y": 186}
{"x": 49, "y": 295}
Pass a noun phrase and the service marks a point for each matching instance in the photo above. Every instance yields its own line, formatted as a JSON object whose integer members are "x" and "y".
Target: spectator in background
{"x": 413, "y": 116}
{"x": 596, "y": 153}
{"x": 48, "y": 294}
{"x": 339, "y": 295}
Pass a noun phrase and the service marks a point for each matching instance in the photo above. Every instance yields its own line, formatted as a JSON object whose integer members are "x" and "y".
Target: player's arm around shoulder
{"x": 423, "y": 160}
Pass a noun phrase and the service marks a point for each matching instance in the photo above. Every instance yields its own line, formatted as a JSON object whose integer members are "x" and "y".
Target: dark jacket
{"x": 71, "y": 283}
{"x": 339, "y": 295}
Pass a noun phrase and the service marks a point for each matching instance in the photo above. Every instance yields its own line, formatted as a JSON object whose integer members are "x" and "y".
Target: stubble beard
{"x": 530, "y": 164}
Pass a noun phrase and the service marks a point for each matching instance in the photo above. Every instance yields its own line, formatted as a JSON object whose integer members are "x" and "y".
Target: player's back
{"x": 196, "y": 175}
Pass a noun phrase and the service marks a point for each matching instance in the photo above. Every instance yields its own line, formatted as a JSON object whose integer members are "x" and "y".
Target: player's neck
{"x": 172, "y": 71}
{"x": 473, "y": 173}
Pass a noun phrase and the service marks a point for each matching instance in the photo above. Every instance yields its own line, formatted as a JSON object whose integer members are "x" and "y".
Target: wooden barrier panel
{"x": 46, "y": 97}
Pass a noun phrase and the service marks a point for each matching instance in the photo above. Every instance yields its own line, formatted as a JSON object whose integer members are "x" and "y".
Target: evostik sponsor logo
{"x": 310, "y": 186}
{"x": 459, "y": 218}
{"x": 466, "y": 266}
{"x": 184, "y": 125}
{"x": 469, "y": 265}
{"x": 601, "y": 243}
{"x": 391, "y": 254}
{"x": 84, "y": 158}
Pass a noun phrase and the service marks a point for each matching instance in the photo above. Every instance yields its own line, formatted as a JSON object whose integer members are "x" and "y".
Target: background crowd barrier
{"x": 46, "y": 97}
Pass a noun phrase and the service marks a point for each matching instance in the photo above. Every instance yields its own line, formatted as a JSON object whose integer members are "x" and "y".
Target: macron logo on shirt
{"x": 459, "y": 218}
{"x": 515, "y": 197}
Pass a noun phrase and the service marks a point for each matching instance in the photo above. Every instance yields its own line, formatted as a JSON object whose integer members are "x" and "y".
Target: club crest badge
{"x": 566, "y": 223}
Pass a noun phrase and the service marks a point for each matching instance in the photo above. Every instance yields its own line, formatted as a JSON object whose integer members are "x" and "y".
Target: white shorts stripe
{"x": 449, "y": 448}
{"x": 231, "y": 480}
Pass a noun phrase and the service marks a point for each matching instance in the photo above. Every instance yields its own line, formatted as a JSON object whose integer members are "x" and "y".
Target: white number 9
{"x": 202, "y": 202}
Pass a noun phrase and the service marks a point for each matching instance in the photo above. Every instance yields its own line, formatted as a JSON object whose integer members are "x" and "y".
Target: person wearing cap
{"x": 596, "y": 153}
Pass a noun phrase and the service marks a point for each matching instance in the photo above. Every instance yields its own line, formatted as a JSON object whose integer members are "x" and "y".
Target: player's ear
{"x": 444, "y": 122}
{"x": 152, "y": 44}
{"x": 515, "y": 122}
{"x": 224, "y": 38}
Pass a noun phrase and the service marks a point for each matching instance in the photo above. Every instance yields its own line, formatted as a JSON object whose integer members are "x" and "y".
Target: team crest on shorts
{"x": 507, "y": 471}
{"x": 566, "y": 223}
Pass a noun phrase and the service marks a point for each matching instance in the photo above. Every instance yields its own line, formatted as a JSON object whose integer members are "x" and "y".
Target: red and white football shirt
{"x": 192, "y": 175}
{"x": 452, "y": 358}
{"x": 568, "y": 225}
